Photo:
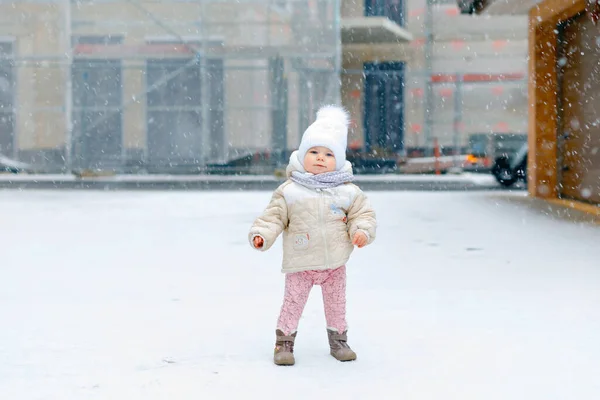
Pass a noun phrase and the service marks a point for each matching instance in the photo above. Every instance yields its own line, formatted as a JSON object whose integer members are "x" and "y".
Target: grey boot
{"x": 338, "y": 343}
{"x": 284, "y": 349}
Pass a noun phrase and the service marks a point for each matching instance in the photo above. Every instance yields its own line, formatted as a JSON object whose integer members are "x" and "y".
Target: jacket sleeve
{"x": 361, "y": 217}
{"x": 272, "y": 222}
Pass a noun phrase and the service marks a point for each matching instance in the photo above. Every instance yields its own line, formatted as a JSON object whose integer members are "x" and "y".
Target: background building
{"x": 469, "y": 72}
{"x": 177, "y": 86}
{"x": 162, "y": 84}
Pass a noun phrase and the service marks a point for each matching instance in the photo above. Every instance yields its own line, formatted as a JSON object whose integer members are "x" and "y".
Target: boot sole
{"x": 285, "y": 361}
{"x": 284, "y": 364}
{"x": 351, "y": 358}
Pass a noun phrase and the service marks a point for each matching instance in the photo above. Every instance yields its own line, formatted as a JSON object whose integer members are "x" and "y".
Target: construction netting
{"x": 155, "y": 85}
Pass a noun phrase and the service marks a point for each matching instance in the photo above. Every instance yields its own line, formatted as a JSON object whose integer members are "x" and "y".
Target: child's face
{"x": 319, "y": 160}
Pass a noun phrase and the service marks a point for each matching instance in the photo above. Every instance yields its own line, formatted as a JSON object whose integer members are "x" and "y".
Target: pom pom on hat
{"x": 335, "y": 113}
{"x": 330, "y": 130}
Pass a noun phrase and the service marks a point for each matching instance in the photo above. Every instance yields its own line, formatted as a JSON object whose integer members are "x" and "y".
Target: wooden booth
{"x": 564, "y": 97}
{"x": 564, "y": 101}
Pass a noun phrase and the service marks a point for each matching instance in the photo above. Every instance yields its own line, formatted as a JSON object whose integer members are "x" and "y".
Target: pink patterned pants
{"x": 297, "y": 289}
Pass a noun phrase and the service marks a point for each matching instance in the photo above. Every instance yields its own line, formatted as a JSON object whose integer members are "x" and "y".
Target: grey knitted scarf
{"x": 325, "y": 180}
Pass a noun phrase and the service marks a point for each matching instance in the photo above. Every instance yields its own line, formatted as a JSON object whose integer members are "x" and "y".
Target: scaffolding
{"x": 462, "y": 77}
{"x": 165, "y": 86}
{"x": 187, "y": 86}
{"x": 468, "y": 77}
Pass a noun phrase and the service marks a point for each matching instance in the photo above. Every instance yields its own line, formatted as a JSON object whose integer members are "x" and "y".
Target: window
{"x": 175, "y": 135}
{"x": 97, "y": 107}
{"x": 174, "y": 113}
{"x": 384, "y": 106}
{"x": 393, "y": 9}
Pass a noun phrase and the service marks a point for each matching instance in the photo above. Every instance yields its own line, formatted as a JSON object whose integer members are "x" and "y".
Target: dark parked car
{"x": 486, "y": 148}
{"x": 511, "y": 168}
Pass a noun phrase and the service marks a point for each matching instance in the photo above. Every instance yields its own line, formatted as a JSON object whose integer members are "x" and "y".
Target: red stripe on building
{"x": 416, "y": 92}
{"x": 449, "y": 78}
{"x": 415, "y": 128}
{"x": 446, "y": 92}
{"x": 418, "y": 42}
{"x": 457, "y": 44}
{"x": 452, "y": 11}
{"x": 497, "y": 90}
{"x": 417, "y": 12}
{"x": 149, "y": 49}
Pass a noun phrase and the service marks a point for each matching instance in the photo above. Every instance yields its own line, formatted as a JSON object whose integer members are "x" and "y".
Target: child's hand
{"x": 359, "y": 239}
{"x": 258, "y": 242}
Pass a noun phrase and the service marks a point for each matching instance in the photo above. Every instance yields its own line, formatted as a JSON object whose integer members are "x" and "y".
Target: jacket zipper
{"x": 323, "y": 228}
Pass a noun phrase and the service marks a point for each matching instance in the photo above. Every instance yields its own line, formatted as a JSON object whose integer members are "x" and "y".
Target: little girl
{"x": 322, "y": 216}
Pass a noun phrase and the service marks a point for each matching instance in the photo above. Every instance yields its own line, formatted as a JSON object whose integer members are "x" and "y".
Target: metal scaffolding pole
{"x": 204, "y": 96}
{"x": 68, "y": 106}
{"x": 428, "y": 95}
{"x": 457, "y": 118}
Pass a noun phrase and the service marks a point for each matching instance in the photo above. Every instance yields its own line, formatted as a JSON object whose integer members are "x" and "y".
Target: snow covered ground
{"x": 152, "y": 295}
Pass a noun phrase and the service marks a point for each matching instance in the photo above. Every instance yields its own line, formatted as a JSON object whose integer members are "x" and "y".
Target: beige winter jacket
{"x": 317, "y": 224}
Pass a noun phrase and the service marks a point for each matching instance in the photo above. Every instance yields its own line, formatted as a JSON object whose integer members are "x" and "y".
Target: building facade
{"x": 162, "y": 85}
{"x": 470, "y": 73}
{"x": 180, "y": 85}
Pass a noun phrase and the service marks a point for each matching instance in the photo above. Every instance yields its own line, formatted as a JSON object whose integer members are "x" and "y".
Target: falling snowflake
{"x": 562, "y": 61}
{"x": 586, "y": 193}
{"x": 543, "y": 190}
{"x": 575, "y": 125}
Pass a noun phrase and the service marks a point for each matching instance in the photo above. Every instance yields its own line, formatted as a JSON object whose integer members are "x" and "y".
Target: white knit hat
{"x": 330, "y": 130}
